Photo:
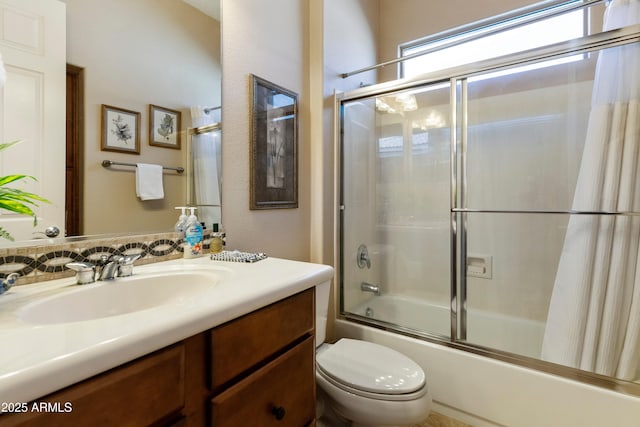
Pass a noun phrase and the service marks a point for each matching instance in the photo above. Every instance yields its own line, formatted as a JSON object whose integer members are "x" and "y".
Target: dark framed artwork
{"x": 120, "y": 130}
{"x": 164, "y": 127}
{"x": 274, "y": 146}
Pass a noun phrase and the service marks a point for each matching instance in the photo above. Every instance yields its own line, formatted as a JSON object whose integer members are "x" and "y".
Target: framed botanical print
{"x": 164, "y": 127}
{"x": 120, "y": 130}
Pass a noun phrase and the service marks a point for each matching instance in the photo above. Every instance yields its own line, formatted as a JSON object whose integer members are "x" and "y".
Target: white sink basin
{"x": 119, "y": 296}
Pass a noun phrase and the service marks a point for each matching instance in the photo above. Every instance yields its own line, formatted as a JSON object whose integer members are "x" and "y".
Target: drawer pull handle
{"x": 278, "y": 412}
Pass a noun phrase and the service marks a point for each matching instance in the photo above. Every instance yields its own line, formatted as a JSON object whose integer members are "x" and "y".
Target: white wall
{"x": 268, "y": 39}
{"x": 349, "y": 31}
{"x": 161, "y": 52}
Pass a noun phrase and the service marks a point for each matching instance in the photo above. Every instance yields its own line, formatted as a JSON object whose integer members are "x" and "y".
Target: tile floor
{"x": 438, "y": 420}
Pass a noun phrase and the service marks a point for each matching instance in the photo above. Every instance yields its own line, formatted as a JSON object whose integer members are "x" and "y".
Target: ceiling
{"x": 208, "y": 7}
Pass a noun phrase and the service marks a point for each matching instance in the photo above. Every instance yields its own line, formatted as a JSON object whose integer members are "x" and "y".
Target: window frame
{"x": 484, "y": 28}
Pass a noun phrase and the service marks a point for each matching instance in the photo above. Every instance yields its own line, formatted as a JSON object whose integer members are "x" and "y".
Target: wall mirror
{"x": 129, "y": 55}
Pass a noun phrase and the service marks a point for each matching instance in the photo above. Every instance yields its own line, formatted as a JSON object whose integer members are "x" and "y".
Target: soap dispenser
{"x": 193, "y": 236}
{"x": 182, "y": 220}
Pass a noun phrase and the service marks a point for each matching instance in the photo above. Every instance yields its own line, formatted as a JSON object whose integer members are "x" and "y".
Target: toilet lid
{"x": 371, "y": 367}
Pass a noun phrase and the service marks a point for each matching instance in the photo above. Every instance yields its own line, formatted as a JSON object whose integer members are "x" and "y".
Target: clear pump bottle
{"x": 182, "y": 220}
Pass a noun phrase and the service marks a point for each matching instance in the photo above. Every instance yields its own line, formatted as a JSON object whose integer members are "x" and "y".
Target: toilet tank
{"x": 322, "y": 309}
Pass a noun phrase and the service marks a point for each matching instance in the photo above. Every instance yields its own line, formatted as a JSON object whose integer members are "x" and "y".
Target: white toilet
{"x": 363, "y": 383}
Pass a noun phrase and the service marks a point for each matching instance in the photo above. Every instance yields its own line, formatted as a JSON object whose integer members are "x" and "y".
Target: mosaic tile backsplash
{"x": 38, "y": 263}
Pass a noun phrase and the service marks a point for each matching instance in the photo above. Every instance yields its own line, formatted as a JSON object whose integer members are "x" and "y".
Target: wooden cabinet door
{"x": 243, "y": 343}
{"x": 139, "y": 393}
{"x": 281, "y": 394}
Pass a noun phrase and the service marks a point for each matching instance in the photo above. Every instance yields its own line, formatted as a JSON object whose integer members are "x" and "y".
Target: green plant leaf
{"x": 16, "y": 206}
{"x": 14, "y": 199}
{"x": 19, "y": 195}
{"x": 4, "y": 234}
{"x": 6, "y": 145}
{"x": 11, "y": 178}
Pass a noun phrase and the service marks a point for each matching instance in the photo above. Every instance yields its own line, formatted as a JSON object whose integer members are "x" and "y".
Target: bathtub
{"x": 483, "y": 391}
{"x": 485, "y": 328}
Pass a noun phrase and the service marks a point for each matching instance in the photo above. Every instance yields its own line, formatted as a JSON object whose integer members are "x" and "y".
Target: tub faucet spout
{"x": 368, "y": 287}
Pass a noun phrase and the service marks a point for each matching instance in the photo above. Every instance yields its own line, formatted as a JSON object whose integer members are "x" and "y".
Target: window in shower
{"x": 395, "y": 187}
{"x": 485, "y": 42}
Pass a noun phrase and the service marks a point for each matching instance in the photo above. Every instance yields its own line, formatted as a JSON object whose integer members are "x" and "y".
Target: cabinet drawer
{"x": 286, "y": 383}
{"x": 136, "y": 394}
{"x": 242, "y": 343}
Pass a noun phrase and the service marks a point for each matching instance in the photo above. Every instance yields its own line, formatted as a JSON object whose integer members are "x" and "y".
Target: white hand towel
{"x": 149, "y": 182}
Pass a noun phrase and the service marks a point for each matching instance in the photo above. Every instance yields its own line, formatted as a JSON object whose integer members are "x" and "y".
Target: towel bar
{"x": 109, "y": 163}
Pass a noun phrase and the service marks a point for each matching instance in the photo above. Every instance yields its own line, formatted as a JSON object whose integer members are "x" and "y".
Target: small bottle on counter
{"x": 216, "y": 244}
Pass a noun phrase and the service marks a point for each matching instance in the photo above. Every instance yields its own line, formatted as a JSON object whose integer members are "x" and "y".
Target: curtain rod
{"x": 528, "y": 14}
{"x": 205, "y": 129}
{"x": 109, "y": 163}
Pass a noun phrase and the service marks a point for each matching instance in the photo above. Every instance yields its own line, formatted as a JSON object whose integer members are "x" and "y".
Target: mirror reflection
{"x": 205, "y": 164}
{"x": 123, "y": 54}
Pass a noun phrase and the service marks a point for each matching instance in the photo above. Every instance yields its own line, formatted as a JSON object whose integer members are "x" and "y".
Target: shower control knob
{"x": 278, "y": 412}
{"x": 363, "y": 257}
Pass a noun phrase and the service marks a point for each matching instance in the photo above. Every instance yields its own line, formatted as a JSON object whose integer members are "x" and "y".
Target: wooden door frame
{"x": 75, "y": 151}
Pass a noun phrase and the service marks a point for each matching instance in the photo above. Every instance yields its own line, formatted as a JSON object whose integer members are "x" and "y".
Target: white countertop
{"x": 38, "y": 359}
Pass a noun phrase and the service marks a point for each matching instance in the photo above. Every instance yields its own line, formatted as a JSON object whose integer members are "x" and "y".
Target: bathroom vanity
{"x": 252, "y": 365}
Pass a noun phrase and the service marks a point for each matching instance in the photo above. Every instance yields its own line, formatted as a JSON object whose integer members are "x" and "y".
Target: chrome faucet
{"x": 368, "y": 287}
{"x": 8, "y": 282}
{"x": 85, "y": 272}
{"x": 125, "y": 267}
{"x": 108, "y": 266}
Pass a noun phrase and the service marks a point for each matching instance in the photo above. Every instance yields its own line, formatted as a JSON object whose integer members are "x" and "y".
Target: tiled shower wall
{"x": 40, "y": 262}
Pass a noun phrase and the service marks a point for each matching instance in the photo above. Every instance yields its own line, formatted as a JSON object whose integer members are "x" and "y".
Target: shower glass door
{"x": 522, "y": 162}
{"x": 499, "y": 209}
{"x": 396, "y": 208}
{"x": 550, "y": 213}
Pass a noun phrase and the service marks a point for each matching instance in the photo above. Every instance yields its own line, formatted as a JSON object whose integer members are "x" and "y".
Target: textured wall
{"x": 268, "y": 39}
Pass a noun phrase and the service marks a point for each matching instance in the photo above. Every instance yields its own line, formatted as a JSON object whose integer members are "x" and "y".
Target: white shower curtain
{"x": 206, "y": 168}
{"x": 594, "y": 314}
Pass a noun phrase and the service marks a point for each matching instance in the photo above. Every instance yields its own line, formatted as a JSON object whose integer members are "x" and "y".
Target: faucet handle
{"x": 129, "y": 259}
{"x": 85, "y": 272}
{"x": 125, "y": 267}
{"x": 8, "y": 282}
{"x": 363, "y": 259}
